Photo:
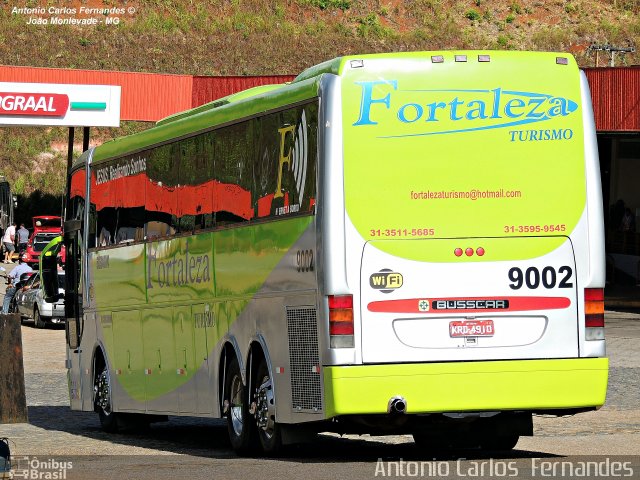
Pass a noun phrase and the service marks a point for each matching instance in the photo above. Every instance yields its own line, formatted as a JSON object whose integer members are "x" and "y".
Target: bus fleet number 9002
{"x": 533, "y": 277}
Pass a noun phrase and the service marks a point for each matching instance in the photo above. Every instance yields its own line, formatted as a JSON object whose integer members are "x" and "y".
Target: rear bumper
{"x": 467, "y": 386}
{"x": 50, "y": 310}
{"x": 57, "y": 311}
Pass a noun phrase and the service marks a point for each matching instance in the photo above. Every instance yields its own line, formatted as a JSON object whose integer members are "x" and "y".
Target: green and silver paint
{"x": 188, "y": 289}
{"x": 198, "y": 285}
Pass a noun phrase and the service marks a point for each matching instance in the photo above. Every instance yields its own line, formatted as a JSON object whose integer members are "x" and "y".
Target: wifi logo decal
{"x": 386, "y": 280}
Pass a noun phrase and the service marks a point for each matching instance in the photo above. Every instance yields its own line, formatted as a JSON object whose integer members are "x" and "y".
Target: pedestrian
{"x": 8, "y": 240}
{"x": 23, "y": 237}
{"x": 14, "y": 278}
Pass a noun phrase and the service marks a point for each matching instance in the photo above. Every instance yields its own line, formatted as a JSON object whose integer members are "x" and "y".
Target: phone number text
{"x": 402, "y": 232}
{"x": 535, "y": 228}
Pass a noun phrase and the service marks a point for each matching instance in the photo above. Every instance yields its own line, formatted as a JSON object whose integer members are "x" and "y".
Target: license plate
{"x": 471, "y": 328}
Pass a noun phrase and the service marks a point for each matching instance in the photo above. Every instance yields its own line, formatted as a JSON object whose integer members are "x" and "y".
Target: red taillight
{"x": 340, "y": 301}
{"x": 594, "y": 307}
{"x": 340, "y": 314}
{"x": 340, "y": 328}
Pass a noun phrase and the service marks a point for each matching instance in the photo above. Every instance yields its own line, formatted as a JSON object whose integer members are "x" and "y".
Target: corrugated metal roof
{"x": 144, "y": 95}
{"x": 615, "y": 92}
{"x": 207, "y": 89}
{"x": 150, "y": 97}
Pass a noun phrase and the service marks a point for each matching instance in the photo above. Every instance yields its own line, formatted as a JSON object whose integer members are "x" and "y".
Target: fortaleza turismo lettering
{"x": 179, "y": 270}
{"x": 495, "y": 108}
{"x": 540, "y": 135}
{"x": 121, "y": 169}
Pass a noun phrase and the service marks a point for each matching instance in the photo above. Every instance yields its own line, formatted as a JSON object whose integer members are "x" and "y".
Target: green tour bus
{"x": 401, "y": 243}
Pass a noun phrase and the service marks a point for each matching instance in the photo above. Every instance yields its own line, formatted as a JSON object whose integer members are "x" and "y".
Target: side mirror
{"x": 49, "y": 270}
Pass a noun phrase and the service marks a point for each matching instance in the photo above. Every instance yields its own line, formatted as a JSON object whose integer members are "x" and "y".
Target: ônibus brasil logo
{"x": 474, "y": 109}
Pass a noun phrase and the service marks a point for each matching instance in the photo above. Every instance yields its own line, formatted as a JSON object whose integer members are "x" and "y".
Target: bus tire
{"x": 446, "y": 443}
{"x": 433, "y": 443}
{"x": 269, "y": 432}
{"x": 240, "y": 423}
{"x": 102, "y": 401}
{"x": 500, "y": 442}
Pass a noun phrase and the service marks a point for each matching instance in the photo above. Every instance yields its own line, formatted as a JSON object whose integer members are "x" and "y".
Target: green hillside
{"x": 261, "y": 37}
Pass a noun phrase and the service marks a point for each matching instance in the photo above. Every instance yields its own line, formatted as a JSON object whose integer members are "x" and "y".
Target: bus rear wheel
{"x": 240, "y": 424}
{"x": 102, "y": 401}
{"x": 269, "y": 432}
{"x": 500, "y": 442}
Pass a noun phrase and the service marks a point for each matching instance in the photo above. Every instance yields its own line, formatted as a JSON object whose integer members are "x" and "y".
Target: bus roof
{"x": 226, "y": 110}
{"x": 337, "y": 65}
{"x": 235, "y": 97}
{"x": 268, "y": 97}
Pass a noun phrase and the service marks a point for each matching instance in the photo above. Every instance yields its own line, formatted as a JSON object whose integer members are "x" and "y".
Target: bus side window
{"x": 106, "y": 226}
{"x": 126, "y": 234}
{"x": 227, "y": 218}
{"x": 286, "y": 164}
{"x": 105, "y": 238}
{"x": 162, "y": 190}
{"x": 92, "y": 226}
{"x": 195, "y": 192}
{"x": 235, "y": 153}
{"x": 157, "y": 229}
{"x": 267, "y": 165}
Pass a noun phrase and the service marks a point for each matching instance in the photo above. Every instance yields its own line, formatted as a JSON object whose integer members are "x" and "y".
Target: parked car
{"x": 30, "y": 302}
{"x": 19, "y": 283}
{"x": 45, "y": 229}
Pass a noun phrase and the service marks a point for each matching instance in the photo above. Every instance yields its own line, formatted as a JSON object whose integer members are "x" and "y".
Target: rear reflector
{"x": 340, "y": 328}
{"x": 594, "y": 307}
{"x": 341, "y": 321}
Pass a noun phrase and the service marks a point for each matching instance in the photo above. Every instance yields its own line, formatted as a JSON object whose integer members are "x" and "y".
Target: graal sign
{"x": 59, "y": 104}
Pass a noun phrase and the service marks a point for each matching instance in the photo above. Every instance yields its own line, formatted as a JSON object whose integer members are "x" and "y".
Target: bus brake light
{"x": 594, "y": 313}
{"x": 341, "y": 321}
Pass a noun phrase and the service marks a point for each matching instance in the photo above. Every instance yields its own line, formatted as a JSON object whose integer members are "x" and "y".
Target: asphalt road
{"x": 71, "y": 443}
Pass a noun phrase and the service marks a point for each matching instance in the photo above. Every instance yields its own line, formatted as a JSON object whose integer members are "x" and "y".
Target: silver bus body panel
{"x": 331, "y": 215}
{"x": 595, "y": 244}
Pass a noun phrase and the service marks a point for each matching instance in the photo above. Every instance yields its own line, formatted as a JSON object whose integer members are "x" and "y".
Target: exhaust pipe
{"x": 397, "y": 405}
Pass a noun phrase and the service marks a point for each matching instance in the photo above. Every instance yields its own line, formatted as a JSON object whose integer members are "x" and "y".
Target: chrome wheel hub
{"x": 235, "y": 405}
{"x": 102, "y": 391}
{"x": 265, "y": 407}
